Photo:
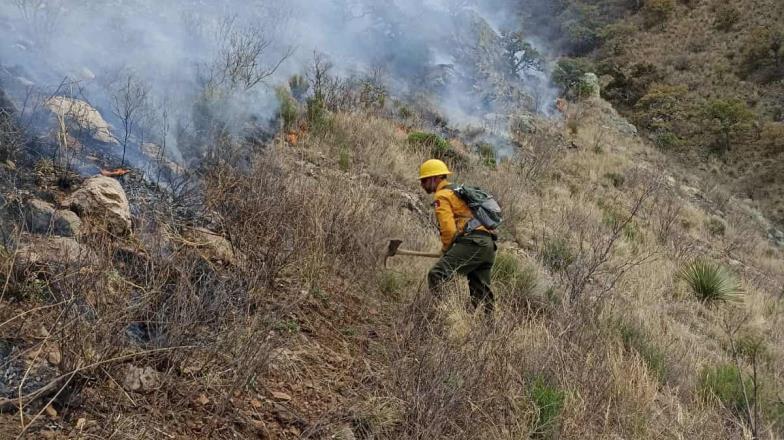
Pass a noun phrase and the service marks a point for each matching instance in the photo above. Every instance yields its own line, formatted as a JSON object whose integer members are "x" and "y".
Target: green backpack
{"x": 486, "y": 210}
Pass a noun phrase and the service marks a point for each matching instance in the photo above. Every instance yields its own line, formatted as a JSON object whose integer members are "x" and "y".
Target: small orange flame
{"x": 292, "y": 137}
{"x": 117, "y": 172}
{"x": 562, "y": 105}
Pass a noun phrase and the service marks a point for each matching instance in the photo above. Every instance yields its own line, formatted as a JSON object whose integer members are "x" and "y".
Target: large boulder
{"x": 102, "y": 201}
{"x": 44, "y": 218}
{"x": 83, "y": 116}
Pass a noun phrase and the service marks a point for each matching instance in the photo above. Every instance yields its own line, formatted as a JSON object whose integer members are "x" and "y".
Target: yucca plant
{"x": 711, "y": 282}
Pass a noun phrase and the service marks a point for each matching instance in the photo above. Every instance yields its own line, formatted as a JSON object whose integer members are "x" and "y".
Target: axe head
{"x": 392, "y": 247}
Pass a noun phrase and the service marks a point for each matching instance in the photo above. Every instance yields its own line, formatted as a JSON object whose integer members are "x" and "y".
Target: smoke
{"x": 214, "y": 63}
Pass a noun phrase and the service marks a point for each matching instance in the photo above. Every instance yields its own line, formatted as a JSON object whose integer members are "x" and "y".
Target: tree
{"x": 240, "y": 60}
{"x": 764, "y": 53}
{"x": 520, "y": 54}
{"x": 128, "y": 103}
{"x": 728, "y": 119}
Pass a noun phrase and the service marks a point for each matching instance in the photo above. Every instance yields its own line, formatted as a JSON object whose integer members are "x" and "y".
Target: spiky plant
{"x": 710, "y": 282}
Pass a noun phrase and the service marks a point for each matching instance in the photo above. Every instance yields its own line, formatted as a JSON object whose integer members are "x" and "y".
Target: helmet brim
{"x": 440, "y": 173}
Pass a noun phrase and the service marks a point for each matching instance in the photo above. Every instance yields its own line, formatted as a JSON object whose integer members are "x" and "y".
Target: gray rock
{"x": 39, "y": 215}
{"x": 84, "y": 116}
{"x": 103, "y": 201}
{"x": 140, "y": 379}
{"x": 53, "y": 252}
{"x": 66, "y": 223}
{"x": 43, "y": 218}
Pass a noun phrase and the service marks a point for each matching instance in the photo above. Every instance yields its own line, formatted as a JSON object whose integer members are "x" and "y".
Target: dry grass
{"x": 306, "y": 311}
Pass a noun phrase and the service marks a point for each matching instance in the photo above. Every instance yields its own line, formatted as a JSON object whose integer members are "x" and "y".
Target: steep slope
{"x": 704, "y": 79}
{"x": 295, "y": 330}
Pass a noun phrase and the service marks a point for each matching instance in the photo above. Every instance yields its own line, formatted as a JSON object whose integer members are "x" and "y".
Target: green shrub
{"x": 569, "y": 72}
{"x": 318, "y": 115}
{"x": 549, "y": 401}
{"x": 556, "y": 254}
{"x": 763, "y": 53}
{"x": 660, "y": 106}
{"x": 287, "y": 108}
{"x": 710, "y": 282}
{"x": 487, "y": 154}
{"x": 723, "y": 382}
{"x": 666, "y": 140}
{"x": 515, "y": 278}
{"x": 634, "y": 339}
{"x": 392, "y": 283}
{"x": 431, "y": 142}
{"x": 728, "y": 119}
{"x": 344, "y": 159}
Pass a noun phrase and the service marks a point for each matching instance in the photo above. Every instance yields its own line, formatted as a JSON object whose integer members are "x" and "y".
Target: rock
{"x": 66, "y": 223}
{"x": 155, "y": 154}
{"x": 43, "y": 218}
{"x": 202, "y": 399}
{"x": 140, "y": 379}
{"x": 54, "y": 357}
{"x": 627, "y": 128}
{"x": 84, "y": 116}
{"x": 80, "y": 423}
{"x": 39, "y": 215}
{"x": 213, "y": 246}
{"x": 53, "y": 251}
{"x": 51, "y": 412}
{"x": 278, "y": 395}
{"x": 103, "y": 199}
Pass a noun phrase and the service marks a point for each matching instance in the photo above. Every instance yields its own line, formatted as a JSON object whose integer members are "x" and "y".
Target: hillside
{"x": 304, "y": 334}
{"x": 214, "y": 268}
{"x": 704, "y": 79}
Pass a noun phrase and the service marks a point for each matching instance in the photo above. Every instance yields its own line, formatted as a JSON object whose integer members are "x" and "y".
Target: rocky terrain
{"x": 235, "y": 286}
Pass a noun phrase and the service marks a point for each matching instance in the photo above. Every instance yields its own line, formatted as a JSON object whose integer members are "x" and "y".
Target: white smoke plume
{"x": 180, "y": 50}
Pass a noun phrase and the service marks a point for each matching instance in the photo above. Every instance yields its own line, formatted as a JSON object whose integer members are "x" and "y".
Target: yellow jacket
{"x": 452, "y": 214}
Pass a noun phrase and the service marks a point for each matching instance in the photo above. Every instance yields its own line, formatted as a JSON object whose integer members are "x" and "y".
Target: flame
{"x": 292, "y": 137}
{"x": 117, "y": 172}
{"x": 562, "y": 105}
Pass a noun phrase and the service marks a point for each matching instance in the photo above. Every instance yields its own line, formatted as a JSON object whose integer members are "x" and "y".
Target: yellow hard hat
{"x": 433, "y": 167}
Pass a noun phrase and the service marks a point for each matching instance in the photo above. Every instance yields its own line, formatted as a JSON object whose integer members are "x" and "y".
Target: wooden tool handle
{"x": 418, "y": 254}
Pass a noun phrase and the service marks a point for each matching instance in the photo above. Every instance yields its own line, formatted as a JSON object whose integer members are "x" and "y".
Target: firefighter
{"x": 468, "y": 253}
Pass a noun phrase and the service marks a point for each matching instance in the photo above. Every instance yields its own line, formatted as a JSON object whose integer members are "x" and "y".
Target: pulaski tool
{"x": 394, "y": 249}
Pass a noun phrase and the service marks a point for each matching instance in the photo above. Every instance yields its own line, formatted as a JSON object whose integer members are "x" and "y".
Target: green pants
{"x": 471, "y": 255}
